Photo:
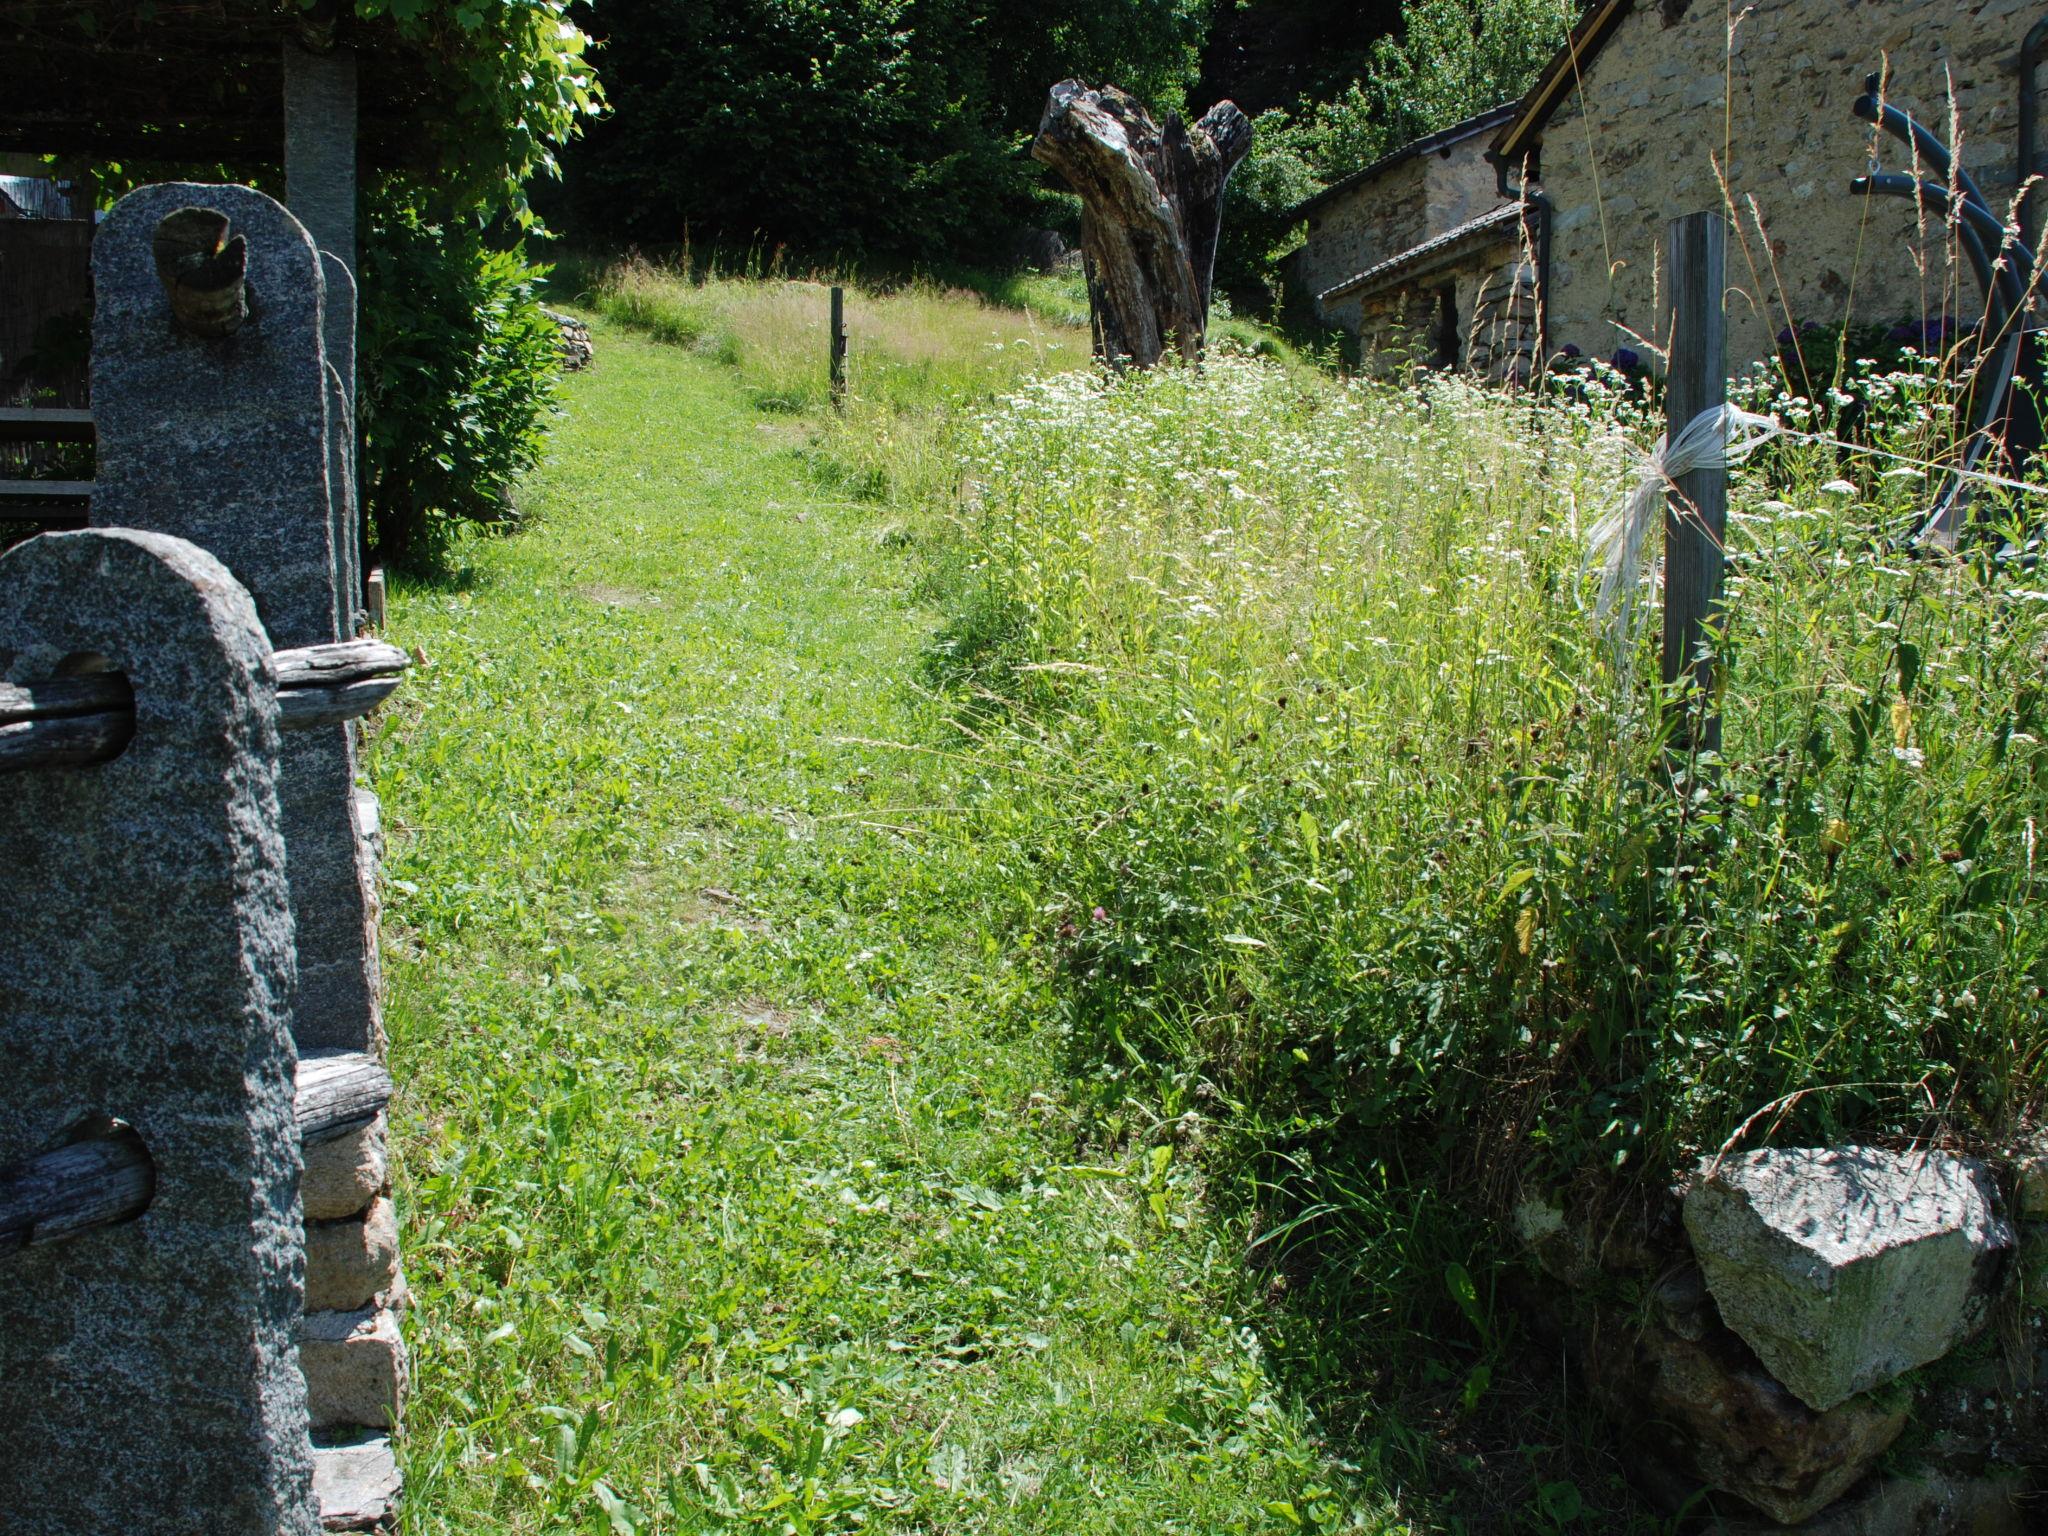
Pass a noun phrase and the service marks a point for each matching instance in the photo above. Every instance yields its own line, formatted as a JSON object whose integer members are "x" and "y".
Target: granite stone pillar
{"x": 149, "y": 1378}
{"x": 231, "y": 441}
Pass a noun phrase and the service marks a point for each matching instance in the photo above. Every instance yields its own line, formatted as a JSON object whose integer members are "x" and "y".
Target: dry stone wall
{"x": 1637, "y": 146}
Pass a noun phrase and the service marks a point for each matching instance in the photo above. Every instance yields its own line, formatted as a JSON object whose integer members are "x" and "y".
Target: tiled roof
{"x": 1416, "y": 258}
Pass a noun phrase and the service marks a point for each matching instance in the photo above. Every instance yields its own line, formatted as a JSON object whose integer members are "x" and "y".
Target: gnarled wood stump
{"x": 1151, "y": 208}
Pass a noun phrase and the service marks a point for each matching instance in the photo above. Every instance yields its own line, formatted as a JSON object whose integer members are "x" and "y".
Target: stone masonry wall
{"x": 1380, "y": 218}
{"x": 1461, "y": 184}
{"x": 1634, "y": 149}
{"x": 1493, "y": 298}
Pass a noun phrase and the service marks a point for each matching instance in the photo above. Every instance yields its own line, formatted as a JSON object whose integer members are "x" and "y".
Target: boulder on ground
{"x": 1696, "y": 1413}
{"x": 1844, "y": 1268}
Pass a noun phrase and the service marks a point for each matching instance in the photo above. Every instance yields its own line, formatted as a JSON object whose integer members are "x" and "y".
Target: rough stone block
{"x": 233, "y": 442}
{"x": 357, "y": 1484}
{"x": 148, "y": 1383}
{"x": 1702, "y": 1412}
{"x": 355, "y": 1367}
{"x": 345, "y": 1174}
{"x": 1844, "y": 1268}
{"x": 2033, "y": 1180}
{"x": 350, "y": 1263}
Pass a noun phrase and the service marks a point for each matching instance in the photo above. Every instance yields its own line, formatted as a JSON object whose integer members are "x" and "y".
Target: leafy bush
{"x": 1341, "y": 811}
{"x": 458, "y": 374}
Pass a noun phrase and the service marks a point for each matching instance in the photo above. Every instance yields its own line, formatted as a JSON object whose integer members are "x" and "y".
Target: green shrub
{"x": 1330, "y": 794}
{"x": 459, "y": 368}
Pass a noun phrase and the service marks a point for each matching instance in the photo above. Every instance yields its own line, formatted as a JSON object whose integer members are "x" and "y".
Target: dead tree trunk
{"x": 1151, "y": 209}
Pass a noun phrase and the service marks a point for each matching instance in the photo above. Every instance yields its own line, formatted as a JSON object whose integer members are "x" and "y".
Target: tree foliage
{"x": 890, "y": 127}
{"x": 512, "y": 86}
{"x": 1450, "y": 60}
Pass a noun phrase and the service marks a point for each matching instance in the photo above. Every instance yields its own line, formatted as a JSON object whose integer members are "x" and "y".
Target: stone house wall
{"x": 1362, "y": 227}
{"x": 1493, "y": 309}
{"x": 1412, "y": 200}
{"x": 1635, "y": 148}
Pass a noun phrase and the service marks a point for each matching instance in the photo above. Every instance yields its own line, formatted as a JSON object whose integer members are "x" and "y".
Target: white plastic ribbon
{"x": 1713, "y": 439}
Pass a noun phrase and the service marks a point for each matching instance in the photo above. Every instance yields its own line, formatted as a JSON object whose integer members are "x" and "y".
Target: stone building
{"x": 1658, "y": 108}
{"x": 1651, "y": 107}
{"x": 1421, "y": 256}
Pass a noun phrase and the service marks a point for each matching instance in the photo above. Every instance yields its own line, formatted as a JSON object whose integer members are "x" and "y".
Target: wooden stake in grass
{"x": 1696, "y": 512}
{"x": 838, "y": 346}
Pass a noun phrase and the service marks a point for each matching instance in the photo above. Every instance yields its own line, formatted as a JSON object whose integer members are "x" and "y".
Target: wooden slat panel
{"x": 45, "y": 424}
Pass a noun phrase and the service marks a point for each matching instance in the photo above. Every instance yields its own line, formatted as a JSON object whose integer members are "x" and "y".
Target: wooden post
{"x": 838, "y": 346}
{"x": 1696, "y": 512}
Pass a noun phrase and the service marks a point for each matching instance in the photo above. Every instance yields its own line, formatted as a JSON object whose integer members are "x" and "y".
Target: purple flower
{"x": 1571, "y": 349}
{"x": 1786, "y": 338}
{"x": 1626, "y": 360}
{"x": 1100, "y": 916}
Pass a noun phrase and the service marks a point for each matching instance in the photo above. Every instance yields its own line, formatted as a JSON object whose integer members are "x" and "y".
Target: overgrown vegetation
{"x": 458, "y": 367}
{"x": 1347, "y": 829}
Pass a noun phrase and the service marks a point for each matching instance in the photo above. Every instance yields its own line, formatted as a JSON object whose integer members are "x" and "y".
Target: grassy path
{"x": 741, "y": 1189}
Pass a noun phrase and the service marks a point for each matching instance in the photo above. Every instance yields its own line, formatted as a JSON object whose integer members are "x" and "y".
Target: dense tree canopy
{"x": 851, "y": 126}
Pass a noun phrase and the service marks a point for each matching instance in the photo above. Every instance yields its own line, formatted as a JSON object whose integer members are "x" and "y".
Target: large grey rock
{"x": 355, "y": 1366}
{"x": 345, "y": 1174}
{"x": 148, "y": 1378}
{"x": 1844, "y": 1268}
{"x": 357, "y": 1484}
{"x": 232, "y": 442}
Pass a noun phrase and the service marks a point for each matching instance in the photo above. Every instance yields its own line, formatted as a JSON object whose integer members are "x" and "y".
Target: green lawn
{"x": 742, "y": 1187}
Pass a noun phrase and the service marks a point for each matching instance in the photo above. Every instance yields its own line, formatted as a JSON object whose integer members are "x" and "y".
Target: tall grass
{"x": 1347, "y": 821}
{"x": 908, "y": 347}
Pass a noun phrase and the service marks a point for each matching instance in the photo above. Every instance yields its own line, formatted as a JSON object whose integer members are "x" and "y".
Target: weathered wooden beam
{"x": 71, "y": 721}
{"x": 1696, "y": 512}
{"x": 337, "y": 1092}
{"x": 101, "y": 1181}
{"x": 75, "y": 1188}
{"x": 44, "y": 424}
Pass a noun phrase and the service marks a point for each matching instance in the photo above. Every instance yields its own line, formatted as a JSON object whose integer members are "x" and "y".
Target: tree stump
{"x": 1151, "y": 209}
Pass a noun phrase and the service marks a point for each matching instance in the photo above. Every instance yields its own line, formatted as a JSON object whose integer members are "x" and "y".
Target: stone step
{"x": 356, "y": 1484}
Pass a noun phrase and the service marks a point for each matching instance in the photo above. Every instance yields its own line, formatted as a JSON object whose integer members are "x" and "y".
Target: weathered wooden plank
{"x": 339, "y": 1091}
{"x": 101, "y": 1181}
{"x": 44, "y": 424}
{"x": 1696, "y": 512}
{"x": 345, "y": 661}
{"x": 45, "y": 501}
{"x": 67, "y": 741}
{"x": 67, "y": 722}
{"x": 59, "y": 696}
{"x": 76, "y": 1188}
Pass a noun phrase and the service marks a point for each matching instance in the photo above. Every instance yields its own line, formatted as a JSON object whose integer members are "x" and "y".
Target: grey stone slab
{"x": 1843, "y": 1268}
{"x": 320, "y": 144}
{"x": 356, "y": 1369}
{"x": 232, "y": 442}
{"x": 148, "y": 1374}
{"x": 357, "y": 1483}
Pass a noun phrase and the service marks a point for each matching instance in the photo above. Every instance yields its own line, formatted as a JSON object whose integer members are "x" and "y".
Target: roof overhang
{"x": 1559, "y": 78}
{"x": 1420, "y": 260}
